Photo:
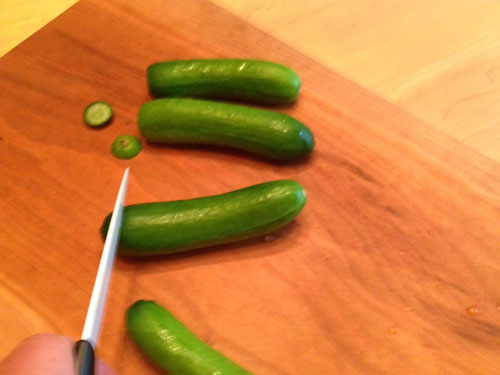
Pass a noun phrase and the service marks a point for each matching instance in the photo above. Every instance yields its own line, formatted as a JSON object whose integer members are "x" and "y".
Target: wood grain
{"x": 437, "y": 59}
{"x": 392, "y": 267}
{"x": 20, "y": 19}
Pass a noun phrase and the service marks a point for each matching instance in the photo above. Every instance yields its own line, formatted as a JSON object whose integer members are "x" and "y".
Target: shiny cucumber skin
{"x": 170, "y": 345}
{"x": 169, "y": 227}
{"x": 266, "y": 133}
{"x": 235, "y": 79}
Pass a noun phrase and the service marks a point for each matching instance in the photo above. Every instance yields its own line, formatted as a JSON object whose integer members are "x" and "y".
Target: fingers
{"x": 102, "y": 369}
{"x": 43, "y": 354}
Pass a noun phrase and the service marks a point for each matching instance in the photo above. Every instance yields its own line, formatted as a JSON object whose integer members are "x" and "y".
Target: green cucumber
{"x": 97, "y": 114}
{"x": 126, "y": 146}
{"x": 170, "y": 345}
{"x": 249, "y": 80}
{"x": 266, "y": 133}
{"x": 169, "y": 227}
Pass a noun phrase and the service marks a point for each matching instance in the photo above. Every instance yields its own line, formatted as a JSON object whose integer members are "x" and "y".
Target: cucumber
{"x": 170, "y": 345}
{"x": 126, "y": 146}
{"x": 97, "y": 114}
{"x": 249, "y": 80}
{"x": 266, "y": 133}
{"x": 169, "y": 227}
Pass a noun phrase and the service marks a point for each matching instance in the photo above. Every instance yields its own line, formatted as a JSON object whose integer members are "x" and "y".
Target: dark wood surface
{"x": 393, "y": 266}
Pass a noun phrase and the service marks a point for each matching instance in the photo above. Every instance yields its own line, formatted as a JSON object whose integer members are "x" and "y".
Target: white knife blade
{"x": 95, "y": 311}
{"x": 84, "y": 348}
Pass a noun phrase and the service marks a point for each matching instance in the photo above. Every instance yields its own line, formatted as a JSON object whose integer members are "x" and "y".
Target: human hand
{"x": 45, "y": 354}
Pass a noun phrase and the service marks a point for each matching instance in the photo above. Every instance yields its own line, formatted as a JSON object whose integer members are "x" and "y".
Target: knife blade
{"x": 84, "y": 348}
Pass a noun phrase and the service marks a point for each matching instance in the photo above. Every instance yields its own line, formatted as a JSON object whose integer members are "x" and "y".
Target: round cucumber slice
{"x": 126, "y": 146}
{"x": 97, "y": 114}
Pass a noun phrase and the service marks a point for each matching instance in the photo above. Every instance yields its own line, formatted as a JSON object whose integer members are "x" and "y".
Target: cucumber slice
{"x": 97, "y": 114}
{"x": 126, "y": 146}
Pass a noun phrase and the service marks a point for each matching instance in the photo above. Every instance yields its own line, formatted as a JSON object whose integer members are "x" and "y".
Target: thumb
{"x": 42, "y": 354}
{"x": 45, "y": 354}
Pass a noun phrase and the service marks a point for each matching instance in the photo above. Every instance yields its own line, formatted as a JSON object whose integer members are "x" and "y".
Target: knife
{"x": 84, "y": 348}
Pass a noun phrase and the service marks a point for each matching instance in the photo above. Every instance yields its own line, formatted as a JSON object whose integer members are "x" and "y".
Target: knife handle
{"x": 84, "y": 358}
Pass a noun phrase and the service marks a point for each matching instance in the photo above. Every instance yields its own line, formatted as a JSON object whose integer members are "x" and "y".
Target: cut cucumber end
{"x": 126, "y": 146}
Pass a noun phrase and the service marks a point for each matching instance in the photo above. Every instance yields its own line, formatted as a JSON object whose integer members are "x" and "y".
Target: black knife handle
{"x": 84, "y": 358}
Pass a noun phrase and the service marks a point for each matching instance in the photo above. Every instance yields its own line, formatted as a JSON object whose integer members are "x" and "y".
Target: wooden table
{"x": 392, "y": 266}
{"x": 438, "y": 60}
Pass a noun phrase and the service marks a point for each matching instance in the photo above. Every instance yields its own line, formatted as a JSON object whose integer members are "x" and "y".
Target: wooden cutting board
{"x": 393, "y": 266}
